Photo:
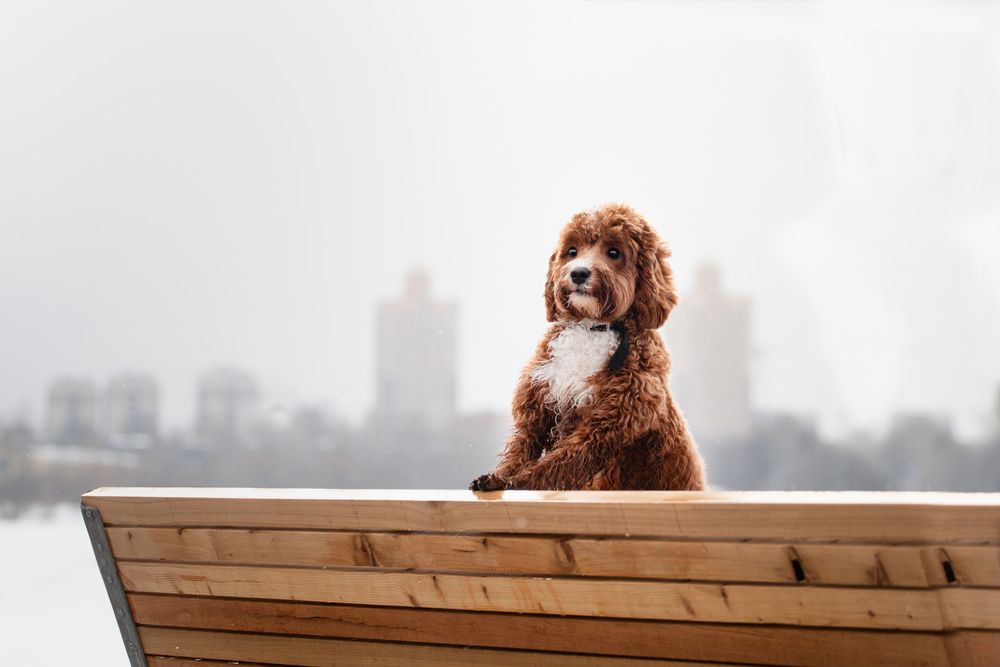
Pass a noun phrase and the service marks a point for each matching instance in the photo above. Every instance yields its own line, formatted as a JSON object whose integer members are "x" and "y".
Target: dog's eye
{"x": 614, "y": 253}
{"x": 571, "y": 252}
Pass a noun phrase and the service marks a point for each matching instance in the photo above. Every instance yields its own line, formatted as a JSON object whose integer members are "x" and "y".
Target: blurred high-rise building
{"x": 71, "y": 412}
{"x": 133, "y": 411}
{"x": 709, "y": 340}
{"x": 228, "y": 403}
{"x": 996, "y": 412}
{"x": 416, "y": 374}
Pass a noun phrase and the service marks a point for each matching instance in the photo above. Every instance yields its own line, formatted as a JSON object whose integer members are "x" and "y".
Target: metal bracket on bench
{"x": 113, "y": 582}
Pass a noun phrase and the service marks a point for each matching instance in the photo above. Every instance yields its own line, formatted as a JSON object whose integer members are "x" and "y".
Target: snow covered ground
{"x": 53, "y": 607}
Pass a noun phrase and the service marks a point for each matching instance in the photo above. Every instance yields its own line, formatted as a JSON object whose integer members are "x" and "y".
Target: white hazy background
{"x": 189, "y": 183}
{"x": 184, "y": 184}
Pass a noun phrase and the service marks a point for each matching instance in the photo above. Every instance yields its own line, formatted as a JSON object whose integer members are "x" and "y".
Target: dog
{"x": 592, "y": 408}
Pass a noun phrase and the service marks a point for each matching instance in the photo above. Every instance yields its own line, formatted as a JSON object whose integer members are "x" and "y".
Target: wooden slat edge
{"x": 919, "y": 498}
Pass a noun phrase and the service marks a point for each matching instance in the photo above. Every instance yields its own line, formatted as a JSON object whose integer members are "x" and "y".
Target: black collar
{"x": 617, "y": 359}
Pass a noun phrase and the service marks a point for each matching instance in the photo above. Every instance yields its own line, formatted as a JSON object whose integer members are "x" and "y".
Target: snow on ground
{"x": 53, "y": 606}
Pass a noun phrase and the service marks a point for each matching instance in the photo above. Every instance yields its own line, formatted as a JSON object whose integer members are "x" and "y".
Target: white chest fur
{"x": 575, "y": 354}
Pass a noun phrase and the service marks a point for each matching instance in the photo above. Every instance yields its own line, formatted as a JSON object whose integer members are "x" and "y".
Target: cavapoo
{"x": 592, "y": 409}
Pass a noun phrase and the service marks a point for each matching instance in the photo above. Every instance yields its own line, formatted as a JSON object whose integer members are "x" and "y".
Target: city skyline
{"x": 711, "y": 341}
{"x": 416, "y": 436}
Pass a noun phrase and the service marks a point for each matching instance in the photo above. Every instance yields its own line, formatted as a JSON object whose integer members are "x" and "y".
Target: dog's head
{"x": 610, "y": 264}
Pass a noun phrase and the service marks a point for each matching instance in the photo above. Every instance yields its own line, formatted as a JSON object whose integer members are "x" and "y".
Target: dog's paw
{"x": 487, "y": 482}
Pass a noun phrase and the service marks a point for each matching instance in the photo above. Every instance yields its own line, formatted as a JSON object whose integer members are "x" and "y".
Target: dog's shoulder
{"x": 651, "y": 351}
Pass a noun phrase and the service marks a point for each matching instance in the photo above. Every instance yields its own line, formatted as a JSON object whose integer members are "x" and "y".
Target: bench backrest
{"x": 318, "y": 578}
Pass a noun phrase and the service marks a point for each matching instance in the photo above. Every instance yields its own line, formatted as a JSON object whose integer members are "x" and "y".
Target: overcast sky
{"x": 184, "y": 184}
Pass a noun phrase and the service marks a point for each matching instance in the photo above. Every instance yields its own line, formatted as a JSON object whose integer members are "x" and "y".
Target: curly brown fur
{"x": 620, "y": 429}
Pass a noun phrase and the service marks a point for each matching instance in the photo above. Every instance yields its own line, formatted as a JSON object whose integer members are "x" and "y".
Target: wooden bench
{"x": 315, "y": 578}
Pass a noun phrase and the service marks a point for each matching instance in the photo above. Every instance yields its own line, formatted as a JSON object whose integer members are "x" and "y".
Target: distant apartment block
{"x": 228, "y": 404}
{"x": 71, "y": 412}
{"x": 416, "y": 364}
{"x": 709, "y": 340}
{"x": 133, "y": 404}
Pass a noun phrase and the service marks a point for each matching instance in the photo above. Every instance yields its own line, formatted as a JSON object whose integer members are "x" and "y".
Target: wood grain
{"x": 309, "y": 652}
{"x": 712, "y": 642}
{"x": 845, "y": 565}
{"x": 831, "y": 517}
{"x": 934, "y": 609}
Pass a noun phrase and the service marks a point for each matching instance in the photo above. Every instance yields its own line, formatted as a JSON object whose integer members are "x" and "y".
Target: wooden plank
{"x": 846, "y": 565}
{"x": 831, "y": 517}
{"x": 708, "y": 642}
{"x": 441, "y": 495}
{"x": 929, "y": 609}
{"x": 309, "y": 652}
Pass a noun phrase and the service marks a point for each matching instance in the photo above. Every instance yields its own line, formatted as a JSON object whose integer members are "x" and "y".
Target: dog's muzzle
{"x": 579, "y": 275}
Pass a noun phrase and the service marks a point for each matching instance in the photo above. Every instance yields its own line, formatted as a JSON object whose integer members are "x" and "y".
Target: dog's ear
{"x": 655, "y": 295}
{"x": 550, "y": 285}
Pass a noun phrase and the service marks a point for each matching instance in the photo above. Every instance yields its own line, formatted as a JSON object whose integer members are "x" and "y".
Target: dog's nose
{"x": 579, "y": 276}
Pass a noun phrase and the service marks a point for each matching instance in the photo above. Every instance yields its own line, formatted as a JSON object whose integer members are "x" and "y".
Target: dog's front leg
{"x": 575, "y": 460}
{"x": 566, "y": 468}
{"x": 533, "y": 423}
{"x": 587, "y": 457}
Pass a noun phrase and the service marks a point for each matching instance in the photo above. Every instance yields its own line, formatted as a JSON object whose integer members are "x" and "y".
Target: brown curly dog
{"x": 592, "y": 409}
